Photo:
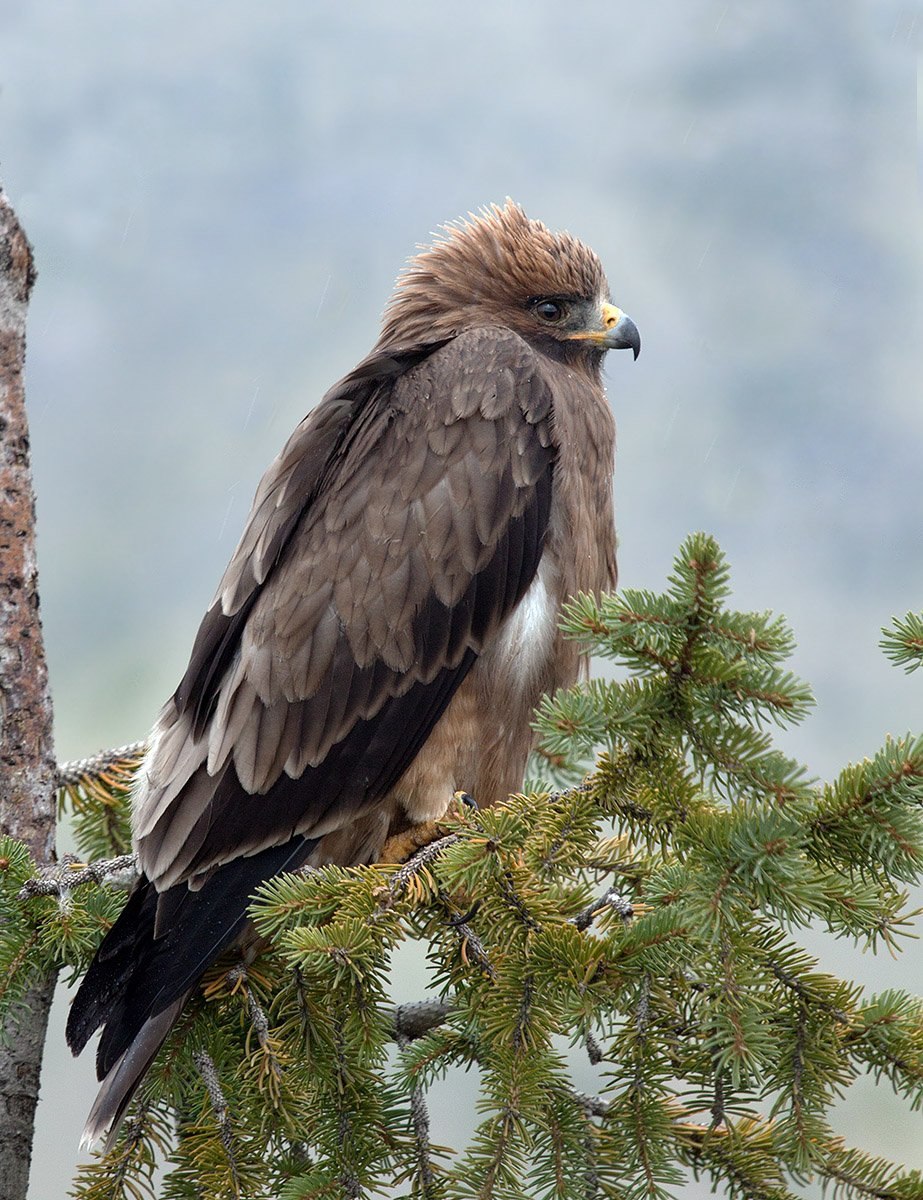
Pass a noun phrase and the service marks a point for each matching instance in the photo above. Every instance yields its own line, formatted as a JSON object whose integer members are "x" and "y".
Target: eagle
{"x": 388, "y": 621}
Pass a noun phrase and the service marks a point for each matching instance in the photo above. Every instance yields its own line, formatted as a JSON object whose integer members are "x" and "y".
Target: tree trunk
{"x": 27, "y": 765}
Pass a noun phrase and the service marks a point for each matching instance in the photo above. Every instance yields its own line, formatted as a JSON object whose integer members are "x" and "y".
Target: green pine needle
{"x": 647, "y": 917}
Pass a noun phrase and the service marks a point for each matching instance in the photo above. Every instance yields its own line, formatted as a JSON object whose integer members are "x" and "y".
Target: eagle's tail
{"x": 148, "y": 963}
{"x": 122, "y": 1081}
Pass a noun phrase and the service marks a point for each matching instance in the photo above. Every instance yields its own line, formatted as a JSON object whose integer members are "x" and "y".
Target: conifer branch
{"x": 407, "y": 1022}
{"x": 128, "y": 1171}
{"x": 683, "y": 976}
{"x": 903, "y": 641}
{"x": 209, "y": 1075}
{"x": 97, "y": 792}
{"x": 741, "y": 1156}
{"x": 859, "y": 1175}
{"x": 101, "y": 773}
{"x": 591, "y": 1169}
{"x": 62, "y": 878}
{"x": 516, "y": 902}
{"x": 403, "y": 877}
{"x": 419, "y": 1120}
{"x": 132, "y": 1142}
{"x": 806, "y": 996}
{"x": 348, "y": 1180}
{"x": 718, "y": 1111}
{"x": 270, "y": 1072}
{"x": 594, "y": 1051}
{"x": 612, "y": 900}
{"x": 559, "y": 843}
{"x": 471, "y": 945}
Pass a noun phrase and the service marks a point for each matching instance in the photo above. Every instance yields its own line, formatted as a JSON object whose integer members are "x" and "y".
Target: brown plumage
{"x": 388, "y": 621}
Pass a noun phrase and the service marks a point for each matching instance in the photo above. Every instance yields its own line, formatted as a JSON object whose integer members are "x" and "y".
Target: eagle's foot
{"x": 403, "y": 845}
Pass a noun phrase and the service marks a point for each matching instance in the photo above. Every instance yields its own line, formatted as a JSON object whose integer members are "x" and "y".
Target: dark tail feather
{"x": 122, "y": 1081}
{"x": 141, "y": 976}
{"x": 119, "y": 956}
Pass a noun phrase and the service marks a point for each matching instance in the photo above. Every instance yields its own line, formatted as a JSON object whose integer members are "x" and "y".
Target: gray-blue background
{"x": 220, "y": 195}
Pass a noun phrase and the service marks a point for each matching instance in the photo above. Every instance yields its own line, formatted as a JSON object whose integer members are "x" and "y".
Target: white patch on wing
{"x": 525, "y": 642}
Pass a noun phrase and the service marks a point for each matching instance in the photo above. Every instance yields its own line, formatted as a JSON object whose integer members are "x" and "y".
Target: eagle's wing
{"x": 383, "y": 551}
{"x": 402, "y": 522}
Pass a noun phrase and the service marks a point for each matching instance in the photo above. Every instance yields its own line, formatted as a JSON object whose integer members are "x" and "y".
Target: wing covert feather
{"x": 391, "y": 538}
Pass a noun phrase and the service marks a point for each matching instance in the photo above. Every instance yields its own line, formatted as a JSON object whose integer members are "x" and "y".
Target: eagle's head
{"x": 501, "y": 268}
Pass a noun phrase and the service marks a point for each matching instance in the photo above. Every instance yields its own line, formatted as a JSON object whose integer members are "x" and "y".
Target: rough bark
{"x": 27, "y": 766}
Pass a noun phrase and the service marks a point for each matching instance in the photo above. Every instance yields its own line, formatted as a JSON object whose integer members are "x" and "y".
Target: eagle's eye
{"x": 552, "y": 311}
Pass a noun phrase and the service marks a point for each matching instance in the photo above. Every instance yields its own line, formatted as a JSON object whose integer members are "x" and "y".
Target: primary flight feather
{"x": 388, "y": 621}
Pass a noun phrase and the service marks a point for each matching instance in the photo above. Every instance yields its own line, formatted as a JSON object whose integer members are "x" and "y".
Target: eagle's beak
{"x": 617, "y": 331}
{"x": 621, "y": 333}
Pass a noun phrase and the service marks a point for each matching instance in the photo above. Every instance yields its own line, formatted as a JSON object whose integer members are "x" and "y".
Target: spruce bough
{"x": 647, "y": 916}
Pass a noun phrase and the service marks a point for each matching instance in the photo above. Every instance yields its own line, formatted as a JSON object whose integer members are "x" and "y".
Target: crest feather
{"x": 480, "y": 265}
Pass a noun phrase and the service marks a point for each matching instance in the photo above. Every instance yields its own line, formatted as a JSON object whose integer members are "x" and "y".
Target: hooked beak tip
{"x": 624, "y": 335}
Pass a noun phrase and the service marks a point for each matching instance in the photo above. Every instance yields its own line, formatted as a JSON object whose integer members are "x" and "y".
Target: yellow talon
{"x": 402, "y": 846}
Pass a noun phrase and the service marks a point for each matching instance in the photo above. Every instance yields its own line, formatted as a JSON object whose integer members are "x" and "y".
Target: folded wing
{"x": 356, "y": 603}
{"x": 401, "y": 524}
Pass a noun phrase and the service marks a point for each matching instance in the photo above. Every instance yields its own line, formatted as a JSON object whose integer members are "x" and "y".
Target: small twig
{"x": 520, "y": 1041}
{"x": 237, "y": 977}
{"x": 591, "y": 1171}
{"x": 348, "y": 1181}
{"x": 550, "y": 855}
{"x": 401, "y": 878}
{"x": 804, "y": 994}
{"x": 516, "y": 902}
{"x": 593, "y": 1106}
{"x": 718, "y": 1103}
{"x": 471, "y": 944}
{"x": 121, "y": 872}
{"x": 133, "y": 1138}
{"x": 613, "y": 900}
{"x": 73, "y": 774}
{"x": 419, "y": 1119}
{"x": 407, "y": 1022}
{"x": 61, "y": 878}
{"x": 209, "y": 1075}
{"x": 642, "y": 1024}
{"x": 350, "y": 1185}
{"x": 258, "y": 1018}
{"x": 885, "y": 1192}
{"x": 593, "y": 1049}
{"x": 643, "y": 1011}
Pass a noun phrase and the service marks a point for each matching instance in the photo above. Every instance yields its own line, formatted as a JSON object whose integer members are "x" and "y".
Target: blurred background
{"x": 220, "y": 195}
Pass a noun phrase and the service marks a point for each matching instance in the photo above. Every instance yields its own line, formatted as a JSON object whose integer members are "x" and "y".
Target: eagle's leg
{"x": 404, "y": 845}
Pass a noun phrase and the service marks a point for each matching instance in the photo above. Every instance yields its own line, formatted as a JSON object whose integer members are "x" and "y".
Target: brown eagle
{"x": 389, "y": 620}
